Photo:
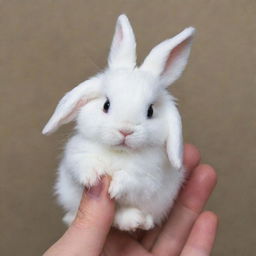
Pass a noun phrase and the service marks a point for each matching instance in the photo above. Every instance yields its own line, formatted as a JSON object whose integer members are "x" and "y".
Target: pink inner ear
{"x": 174, "y": 55}
{"x": 71, "y": 115}
{"x": 119, "y": 34}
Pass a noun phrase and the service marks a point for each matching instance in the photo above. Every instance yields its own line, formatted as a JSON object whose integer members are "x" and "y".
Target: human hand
{"x": 187, "y": 231}
{"x": 87, "y": 234}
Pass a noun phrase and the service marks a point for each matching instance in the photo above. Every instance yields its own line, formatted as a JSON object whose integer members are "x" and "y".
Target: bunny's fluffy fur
{"x": 146, "y": 166}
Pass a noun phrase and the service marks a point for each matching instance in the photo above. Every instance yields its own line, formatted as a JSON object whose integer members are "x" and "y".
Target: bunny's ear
{"x": 67, "y": 109}
{"x": 123, "y": 49}
{"x": 174, "y": 140}
{"x": 168, "y": 59}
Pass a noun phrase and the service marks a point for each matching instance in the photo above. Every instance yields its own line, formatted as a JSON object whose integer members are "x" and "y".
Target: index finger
{"x": 188, "y": 206}
{"x": 191, "y": 159}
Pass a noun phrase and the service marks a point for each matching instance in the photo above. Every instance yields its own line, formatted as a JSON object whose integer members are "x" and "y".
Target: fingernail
{"x": 95, "y": 191}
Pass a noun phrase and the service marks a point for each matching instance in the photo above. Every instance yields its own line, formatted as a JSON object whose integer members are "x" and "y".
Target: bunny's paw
{"x": 91, "y": 177}
{"x": 69, "y": 218}
{"x": 118, "y": 184}
{"x": 130, "y": 219}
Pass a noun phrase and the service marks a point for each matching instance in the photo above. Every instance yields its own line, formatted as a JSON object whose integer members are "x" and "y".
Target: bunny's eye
{"x": 106, "y": 106}
{"x": 150, "y": 111}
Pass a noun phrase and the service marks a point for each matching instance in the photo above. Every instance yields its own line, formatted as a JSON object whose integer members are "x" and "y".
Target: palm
{"x": 187, "y": 231}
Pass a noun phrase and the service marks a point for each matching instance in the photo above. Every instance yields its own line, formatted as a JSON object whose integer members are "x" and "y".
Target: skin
{"x": 188, "y": 231}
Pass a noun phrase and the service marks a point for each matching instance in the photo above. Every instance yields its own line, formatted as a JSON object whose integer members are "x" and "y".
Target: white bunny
{"x": 127, "y": 126}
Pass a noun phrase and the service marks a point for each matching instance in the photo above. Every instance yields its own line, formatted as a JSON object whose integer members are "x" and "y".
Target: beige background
{"x": 49, "y": 46}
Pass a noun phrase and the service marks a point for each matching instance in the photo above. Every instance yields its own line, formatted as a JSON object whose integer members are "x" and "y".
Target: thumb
{"x": 96, "y": 210}
{"x": 88, "y": 232}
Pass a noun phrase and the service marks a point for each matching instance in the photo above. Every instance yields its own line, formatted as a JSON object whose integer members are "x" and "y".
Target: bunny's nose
{"x": 126, "y": 132}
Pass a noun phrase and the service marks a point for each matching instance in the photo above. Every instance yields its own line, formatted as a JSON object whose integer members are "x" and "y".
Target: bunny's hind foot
{"x": 130, "y": 219}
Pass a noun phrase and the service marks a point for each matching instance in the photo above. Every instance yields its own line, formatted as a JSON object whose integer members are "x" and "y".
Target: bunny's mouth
{"x": 123, "y": 145}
